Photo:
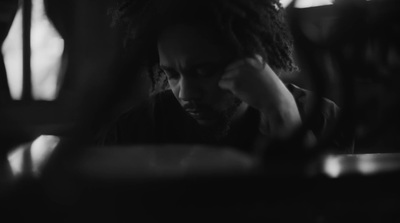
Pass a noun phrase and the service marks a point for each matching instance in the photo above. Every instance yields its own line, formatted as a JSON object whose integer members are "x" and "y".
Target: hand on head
{"x": 255, "y": 83}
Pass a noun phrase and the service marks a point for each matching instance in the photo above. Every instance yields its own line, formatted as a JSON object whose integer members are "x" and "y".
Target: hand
{"x": 256, "y": 84}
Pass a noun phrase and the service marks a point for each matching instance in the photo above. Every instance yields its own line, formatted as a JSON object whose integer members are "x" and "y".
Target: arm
{"x": 256, "y": 84}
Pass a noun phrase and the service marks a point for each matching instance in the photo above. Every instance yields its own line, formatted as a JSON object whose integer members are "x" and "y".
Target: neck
{"x": 222, "y": 131}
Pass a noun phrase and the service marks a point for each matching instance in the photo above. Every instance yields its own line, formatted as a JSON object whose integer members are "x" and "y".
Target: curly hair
{"x": 248, "y": 26}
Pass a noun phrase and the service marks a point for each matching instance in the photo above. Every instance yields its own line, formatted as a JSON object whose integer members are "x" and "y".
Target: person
{"x": 215, "y": 67}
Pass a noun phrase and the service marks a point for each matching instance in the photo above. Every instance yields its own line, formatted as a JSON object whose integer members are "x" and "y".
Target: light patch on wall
{"x": 16, "y": 160}
{"x": 12, "y": 54}
{"x": 41, "y": 150}
{"x": 30, "y": 158}
{"x": 47, "y": 48}
{"x": 306, "y": 3}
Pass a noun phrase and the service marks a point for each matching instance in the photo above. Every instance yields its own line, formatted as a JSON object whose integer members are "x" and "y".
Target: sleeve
{"x": 339, "y": 139}
{"x": 323, "y": 122}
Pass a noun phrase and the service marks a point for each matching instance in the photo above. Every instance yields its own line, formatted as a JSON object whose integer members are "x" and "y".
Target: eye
{"x": 170, "y": 73}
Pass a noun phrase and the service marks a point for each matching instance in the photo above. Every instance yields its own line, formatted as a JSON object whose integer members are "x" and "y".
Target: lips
{"x": 197, "y": 114}
{"x": 200, "y": 113}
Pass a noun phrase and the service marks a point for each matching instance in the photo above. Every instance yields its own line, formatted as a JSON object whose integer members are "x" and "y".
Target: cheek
{"x": 174, "y": 86}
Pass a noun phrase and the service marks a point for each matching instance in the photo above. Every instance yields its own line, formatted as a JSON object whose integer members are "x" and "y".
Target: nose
{"x": 189, "y": 89}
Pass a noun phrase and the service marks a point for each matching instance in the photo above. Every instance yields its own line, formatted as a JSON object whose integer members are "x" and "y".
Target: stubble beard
{"x": 221, "y": 128}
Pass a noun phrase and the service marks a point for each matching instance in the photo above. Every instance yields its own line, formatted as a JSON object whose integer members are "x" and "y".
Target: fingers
{"x": 256, "y": 62}
{"x": 232, "y": 74}
{"x": 227, "y": 80}
{"x": 246, "y": 65}
{"x": 259, "y": 58}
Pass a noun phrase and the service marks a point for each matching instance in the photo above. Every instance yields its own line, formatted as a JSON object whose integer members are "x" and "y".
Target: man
{"x": 215, "y": 67}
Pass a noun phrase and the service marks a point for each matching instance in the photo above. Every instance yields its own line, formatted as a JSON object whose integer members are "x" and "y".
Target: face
{"x": 194, "y": 63}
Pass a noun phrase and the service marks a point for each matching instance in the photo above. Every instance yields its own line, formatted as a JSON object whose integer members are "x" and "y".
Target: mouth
{"x": 198, "y": 114}
{"x": 201, "y": 115}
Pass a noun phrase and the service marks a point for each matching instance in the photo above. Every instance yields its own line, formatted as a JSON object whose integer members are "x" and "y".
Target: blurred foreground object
{"x": 362, "y": 164}
{"x": 181, "y": 184}
{"x": 162, "y": 161}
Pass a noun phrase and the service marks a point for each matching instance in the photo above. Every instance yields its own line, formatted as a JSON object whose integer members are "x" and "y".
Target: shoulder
{"x": 308, "y": 102}
{"x": 322, "y": 117}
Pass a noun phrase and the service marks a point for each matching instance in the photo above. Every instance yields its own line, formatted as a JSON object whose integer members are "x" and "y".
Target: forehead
{"x": 187, "y": 44}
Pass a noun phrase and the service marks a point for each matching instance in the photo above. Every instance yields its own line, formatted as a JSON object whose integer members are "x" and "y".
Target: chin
{"x": 206, "y": 122}
{"x": 215, "y": 129}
